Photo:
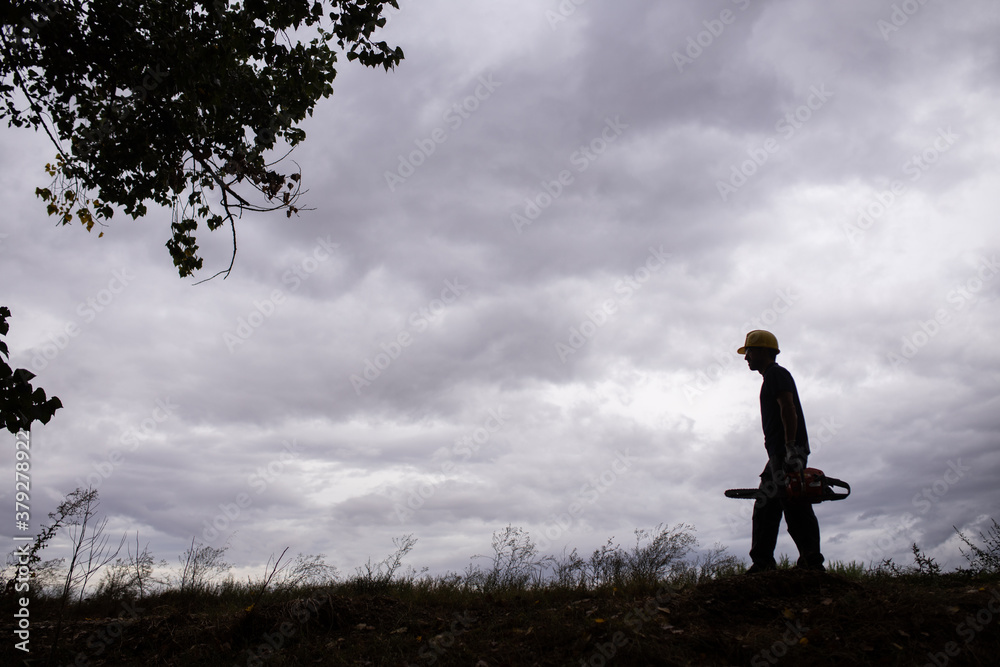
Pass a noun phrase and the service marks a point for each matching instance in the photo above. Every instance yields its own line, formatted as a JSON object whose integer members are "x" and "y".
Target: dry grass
{"x": 649, "y": 604}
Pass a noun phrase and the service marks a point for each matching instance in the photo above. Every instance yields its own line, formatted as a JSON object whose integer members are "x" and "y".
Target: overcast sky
{"x": 533, "y": 251}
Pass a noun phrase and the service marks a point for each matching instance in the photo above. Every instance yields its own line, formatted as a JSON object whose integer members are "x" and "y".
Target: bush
{"x": 983, "y": 560}
{"x": 374, "y": 577}
{"x": 515, "y": 565}
{"x": 923, "y": 566}
{"x": 201, "y": 564}
{"x": 658, "y": 554}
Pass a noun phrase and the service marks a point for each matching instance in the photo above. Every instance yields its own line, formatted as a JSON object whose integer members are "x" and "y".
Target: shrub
{"x": 983, "y": 560}
{"x": 515, "y": 563}
{"x": 201, "y": 564}
{"x": 379, "y": 576}
{"x": 923, "y": 566}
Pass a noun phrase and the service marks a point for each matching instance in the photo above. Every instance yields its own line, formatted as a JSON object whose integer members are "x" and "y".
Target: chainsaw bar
{"x": 755, "y": 494}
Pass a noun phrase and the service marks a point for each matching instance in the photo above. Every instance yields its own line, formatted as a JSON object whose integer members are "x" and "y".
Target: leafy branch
{"x": 177, "y": 103}
{"x": 20, "y": 403}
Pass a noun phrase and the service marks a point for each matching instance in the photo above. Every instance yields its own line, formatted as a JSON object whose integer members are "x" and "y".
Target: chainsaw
{"x": 809, "y": 485}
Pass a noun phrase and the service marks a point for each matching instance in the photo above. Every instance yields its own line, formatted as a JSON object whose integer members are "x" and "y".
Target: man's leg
{"x": 803, "y": 526}
{"x": 767, "y": 513}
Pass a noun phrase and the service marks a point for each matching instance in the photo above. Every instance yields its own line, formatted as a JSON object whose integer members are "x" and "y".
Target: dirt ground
{"x": 783, "y": 617}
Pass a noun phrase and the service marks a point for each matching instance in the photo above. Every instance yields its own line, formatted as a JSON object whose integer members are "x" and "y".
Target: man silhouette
{"x": 787, "y": 445}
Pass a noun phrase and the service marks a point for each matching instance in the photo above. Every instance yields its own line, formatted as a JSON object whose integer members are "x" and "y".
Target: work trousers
{"x": 803, "y": 527}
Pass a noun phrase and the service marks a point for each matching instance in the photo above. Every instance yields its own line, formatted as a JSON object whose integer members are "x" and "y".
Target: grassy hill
{"x": 785, "y": 616}
{"x": 646, "y": 605}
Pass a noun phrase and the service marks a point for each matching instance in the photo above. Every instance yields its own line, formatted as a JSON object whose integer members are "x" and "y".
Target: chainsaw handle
{"x": 842, "y": 484}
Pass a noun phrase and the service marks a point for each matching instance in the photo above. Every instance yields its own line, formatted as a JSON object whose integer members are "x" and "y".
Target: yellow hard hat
{"x": 759, "y": 338}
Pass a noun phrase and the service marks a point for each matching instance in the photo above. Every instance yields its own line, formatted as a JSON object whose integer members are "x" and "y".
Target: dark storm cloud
{"x": 570, "y": 222}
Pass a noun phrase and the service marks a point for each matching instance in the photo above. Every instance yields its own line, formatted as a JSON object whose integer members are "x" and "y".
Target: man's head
{"x": 759, "y": 350}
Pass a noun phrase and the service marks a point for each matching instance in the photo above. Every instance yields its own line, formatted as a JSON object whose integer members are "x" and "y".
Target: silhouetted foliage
{"x": 175, "y": 102}
{"x": 983, "y": 559}
{"x": 375, "y": 576}
{"x": 20, "y": 403}
{"x": 659, "y": 606}
{"x": 201, "y": 564}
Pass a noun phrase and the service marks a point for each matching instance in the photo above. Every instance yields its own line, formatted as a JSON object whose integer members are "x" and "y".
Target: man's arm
{"x": 794, "y": 459}
{"x": 789, "y": 418}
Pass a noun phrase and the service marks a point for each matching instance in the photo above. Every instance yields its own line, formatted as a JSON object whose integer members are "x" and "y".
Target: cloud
{"x": 551, "y": 244}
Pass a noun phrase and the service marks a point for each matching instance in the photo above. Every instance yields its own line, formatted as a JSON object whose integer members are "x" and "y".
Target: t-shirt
{"x": 778, "y": 380}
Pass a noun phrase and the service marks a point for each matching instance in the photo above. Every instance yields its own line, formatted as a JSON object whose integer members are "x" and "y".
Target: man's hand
{"x": 795, "y": 459}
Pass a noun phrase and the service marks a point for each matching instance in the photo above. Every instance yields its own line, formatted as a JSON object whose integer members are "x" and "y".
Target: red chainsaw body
{"x": 806, "y": 484}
